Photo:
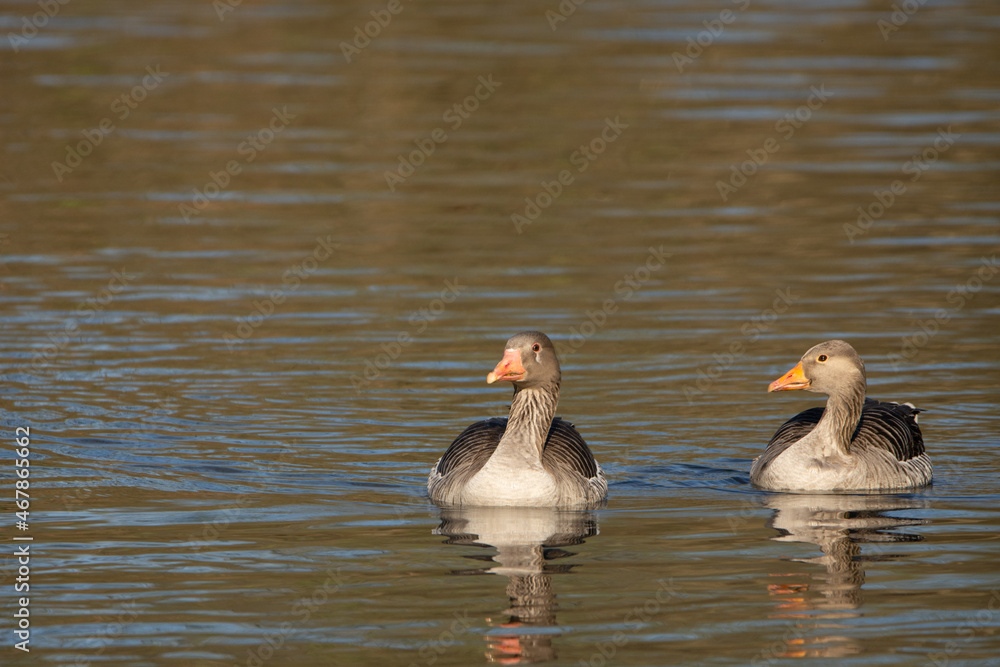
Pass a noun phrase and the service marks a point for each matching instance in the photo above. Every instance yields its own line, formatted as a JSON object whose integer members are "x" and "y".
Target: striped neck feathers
{"x": 531, "y": 414}
{"x": 842, "y": 416}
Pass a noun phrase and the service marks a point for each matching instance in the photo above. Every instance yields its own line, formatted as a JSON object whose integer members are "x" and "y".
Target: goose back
{"x": 884, "y": 425}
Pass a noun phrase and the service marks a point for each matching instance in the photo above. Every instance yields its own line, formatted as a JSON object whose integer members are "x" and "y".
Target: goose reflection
{"x": 839, "y": 525}
{"x": 528, "y": 542}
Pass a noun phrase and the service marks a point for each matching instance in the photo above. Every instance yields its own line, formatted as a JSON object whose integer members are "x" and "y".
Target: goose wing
{"x": 472, "y": 448}
{"x": 884, "y": 425}
{"x": 566, "y": 450}
{"x": 789, "y": 433}
{"x": 892, "y": 427}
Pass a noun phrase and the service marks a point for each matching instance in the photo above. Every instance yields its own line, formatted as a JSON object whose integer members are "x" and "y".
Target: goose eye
{"x": 821, "y": 358}
{"x": 536, "y": 348}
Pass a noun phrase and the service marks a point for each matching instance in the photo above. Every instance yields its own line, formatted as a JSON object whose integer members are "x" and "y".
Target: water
{"x": 244, "y": 320}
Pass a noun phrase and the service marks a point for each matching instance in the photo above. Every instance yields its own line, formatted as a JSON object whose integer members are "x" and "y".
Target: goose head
{"x": 529, "y": 360}
{"x": 829, "y": 368}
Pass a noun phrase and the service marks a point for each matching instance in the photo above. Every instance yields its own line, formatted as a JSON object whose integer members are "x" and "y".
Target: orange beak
{"x": 509, "y": 368}
{"x": 793, "y": 379}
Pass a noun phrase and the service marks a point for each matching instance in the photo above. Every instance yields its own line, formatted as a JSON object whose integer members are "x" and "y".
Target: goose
{"x": 854, "y": 444}
{"x": 529, "y": 459}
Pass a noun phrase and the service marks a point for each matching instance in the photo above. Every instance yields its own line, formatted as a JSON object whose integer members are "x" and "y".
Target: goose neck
{"x": 842, "y": 415}
{"x": 531, "y": 414}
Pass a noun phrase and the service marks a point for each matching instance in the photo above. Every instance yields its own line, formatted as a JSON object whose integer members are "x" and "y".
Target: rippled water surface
{"x": 257, "y": 263}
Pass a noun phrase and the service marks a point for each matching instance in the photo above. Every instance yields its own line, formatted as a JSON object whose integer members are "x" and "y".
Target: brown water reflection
{"x": 240, "y": 341}
{"x": 821, "y": 604}
{"x": 527, "y": 541}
